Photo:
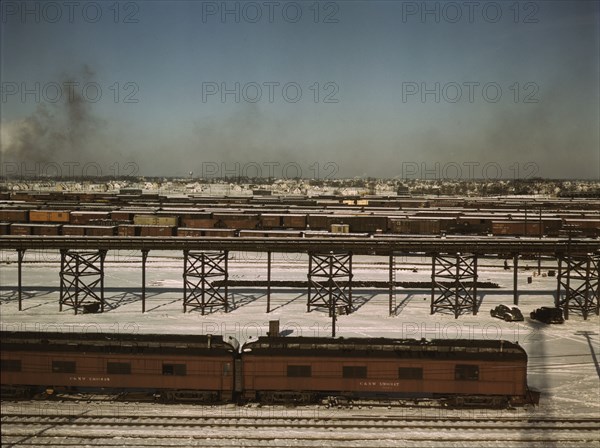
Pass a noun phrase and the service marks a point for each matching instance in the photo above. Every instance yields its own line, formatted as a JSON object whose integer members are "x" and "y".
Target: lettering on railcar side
{"x": 89, "y": 378}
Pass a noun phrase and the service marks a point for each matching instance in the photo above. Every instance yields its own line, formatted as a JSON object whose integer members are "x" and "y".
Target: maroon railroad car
{"x": 294, "y": 221}
{"x": 20, "y": 229}
{"x": 585, "y": 226}
{"x": 85, "y": 217}
{"x": 73, "y": 230}
{"x": 35, "y": 229}
{"x": 271, "y": 221}
{"x": 185, "y": 231}
{"x": 517, "y": 228}
{"x": 219, "y": 232}
{"x": 14, "y": 215}
{"x": 100, "y": 230}
{"x": 157, "y": 230}
{"x": 174, "y": 367}
{"x": 198, "y": 223}
{"x": 318, "y": 222}
{"x": 486, "y": 372}
{"x": 270, "y": 233}
{"x": 238, "y": 222}
{"x": 118, "y": 215}
{"x": 128, "y": 230}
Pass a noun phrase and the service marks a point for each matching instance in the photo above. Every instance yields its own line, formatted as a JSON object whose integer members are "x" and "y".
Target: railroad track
{"x": 34, "y": 430}
{"x": 380, "y": 441}
{"x": 341, "y": 422}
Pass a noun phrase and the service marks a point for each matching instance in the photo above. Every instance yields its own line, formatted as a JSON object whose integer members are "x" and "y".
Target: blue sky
{"x": 527, "y": 78}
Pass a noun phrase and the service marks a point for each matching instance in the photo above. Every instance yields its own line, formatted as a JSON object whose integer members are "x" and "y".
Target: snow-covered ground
{"x": 563, "y": 359}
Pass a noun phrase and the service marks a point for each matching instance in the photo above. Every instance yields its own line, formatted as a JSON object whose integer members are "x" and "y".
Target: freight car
{"x": 269, "y": 369}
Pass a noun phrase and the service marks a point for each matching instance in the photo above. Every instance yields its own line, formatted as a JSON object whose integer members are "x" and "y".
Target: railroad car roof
{"x": 383, "y": 347}
{"x": 116, "y": 342}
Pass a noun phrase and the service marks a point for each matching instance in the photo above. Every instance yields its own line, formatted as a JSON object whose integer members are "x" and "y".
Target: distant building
{"x": 580, "y": 194}
{"x": 130, "y": 191}
{"x": 261, "y": 192}
{"x": 402, "y": 189}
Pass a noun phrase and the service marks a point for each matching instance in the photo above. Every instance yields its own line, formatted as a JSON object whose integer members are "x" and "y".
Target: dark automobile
{"x": 509, "y": 314}
{"x": 548, "y": 315}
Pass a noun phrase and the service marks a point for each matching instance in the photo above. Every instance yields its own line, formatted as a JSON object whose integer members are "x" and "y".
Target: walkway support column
{"x": 454, "y": 284}
{"x": 392, "y": 286}
{"x": 80, "y": 274}
{"x": 20, "y": 255}
{"x": 205, "y": 275}
{"x": 578, "y": 276}
{"x": 330, "y": 275}
{"x": 515, "y": 279}
{"x": 268, "y": 282}
{"x": 144, "y": 259}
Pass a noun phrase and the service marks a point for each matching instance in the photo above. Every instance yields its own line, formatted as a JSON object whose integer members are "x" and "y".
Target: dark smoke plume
{"x": 56, "y": 132}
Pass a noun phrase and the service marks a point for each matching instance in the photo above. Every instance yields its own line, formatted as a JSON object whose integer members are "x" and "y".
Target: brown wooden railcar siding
{"x": 100, "y": 230}
{"x": 84, "y": 217}
{"x": 20, "y": 229}
{"x": 268, "y": 221}
{"x": 73, "y": 230}
{"x": 183, "y": 231}
{"x": 121, "y": 216}
{"x": 14, "y": 215}
{"x": 294, "y": 221}
{"x": 219, "y": 232}
{"x": 269, "y": 373}
{"x": 156, "y": 230}
{"x": 61, "y": 216}
{"x": 201, "y": 372}
{"x": 198, "y": 223}
{"x": 46, "y": 229}
{"x": 205, "y": 368}
{"x": 126, "y": 230}
{"x": 501, "y": 368}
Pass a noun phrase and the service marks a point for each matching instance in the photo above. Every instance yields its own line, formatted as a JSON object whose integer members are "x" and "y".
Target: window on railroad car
{"x": 466, "y": 372}
{"x": 122, "y": 368}
{"x": 410, "y": 373}
{"x": 10, "y": 365}
{"x": 488, "y": 350}
{"x": 354, "y": 372}
{"x": 174, "y": 369}
{"x": 63, "y": 366}
{"x": 299, "y": 371}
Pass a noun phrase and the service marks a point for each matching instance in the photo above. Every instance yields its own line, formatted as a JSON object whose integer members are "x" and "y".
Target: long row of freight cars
{"x": 223, "y": 222}
{"x": 128, "y": 197}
